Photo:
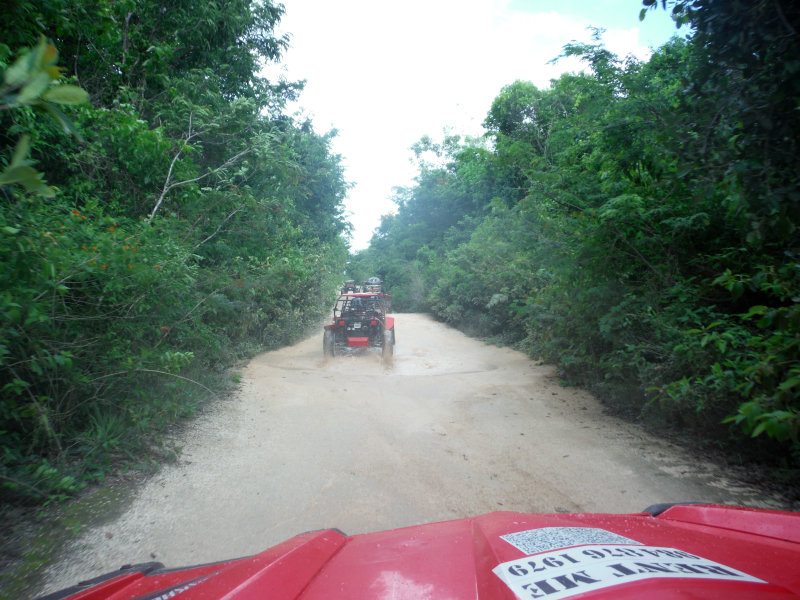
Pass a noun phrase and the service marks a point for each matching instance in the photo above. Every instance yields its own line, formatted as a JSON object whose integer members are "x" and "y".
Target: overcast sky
{"x": 386, "y": 73}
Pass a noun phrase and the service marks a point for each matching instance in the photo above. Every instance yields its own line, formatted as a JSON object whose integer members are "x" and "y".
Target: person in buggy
{"x": 354, "y": 307}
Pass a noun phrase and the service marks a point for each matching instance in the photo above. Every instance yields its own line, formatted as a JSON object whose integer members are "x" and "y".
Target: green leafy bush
{"x": 185, "y": 225}
{"x": 636, "y": 225}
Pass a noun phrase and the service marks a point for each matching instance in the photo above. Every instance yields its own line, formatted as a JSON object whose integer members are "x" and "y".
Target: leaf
{"x": 61, "y": 118}
{"x": 10, "y": 230}
{"x": 21, "y": 151}
{"x": 724, "y": 278}
{"x": 19, "y": 72}
{"x": 789, "y": 384}
{"x": 755, "y": 310}
{"x": 37, "y": 55}
{"x": 17, "y": 386}
{"x": 34, "y": 88}
{"x": 49, "y": 56}
{"x": 66, "y": 94}
{"x": 27, "y": 177}
{"x": 18, "y": 174}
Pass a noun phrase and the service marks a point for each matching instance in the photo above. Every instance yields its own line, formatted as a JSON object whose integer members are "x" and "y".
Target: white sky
{"x": 386, "y": 73}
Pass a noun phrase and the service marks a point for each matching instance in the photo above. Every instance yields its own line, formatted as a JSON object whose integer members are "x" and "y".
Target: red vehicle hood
{"x": 689, "y": 551}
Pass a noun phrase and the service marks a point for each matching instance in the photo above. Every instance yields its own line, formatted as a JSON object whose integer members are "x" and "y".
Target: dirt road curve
{"x": 453, "y": 428}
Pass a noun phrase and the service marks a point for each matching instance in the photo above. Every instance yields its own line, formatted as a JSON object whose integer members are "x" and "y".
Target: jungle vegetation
{"x": 161, "y": 217}
{"x": 635, "y": 224}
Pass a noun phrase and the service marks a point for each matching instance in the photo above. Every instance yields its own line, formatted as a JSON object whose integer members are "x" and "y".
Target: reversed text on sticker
{"x": 567, "y": 572}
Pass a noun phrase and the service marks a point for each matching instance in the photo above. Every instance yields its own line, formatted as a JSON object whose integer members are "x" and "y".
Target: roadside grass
{"x": 35, "y": 537}
{"x": 118, "y": 455}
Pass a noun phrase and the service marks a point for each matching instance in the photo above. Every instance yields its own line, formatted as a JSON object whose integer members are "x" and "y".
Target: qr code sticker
{"x": 534, "y": 541}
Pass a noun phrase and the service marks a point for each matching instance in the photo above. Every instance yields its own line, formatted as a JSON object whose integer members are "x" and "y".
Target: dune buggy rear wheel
{"x": 328, "y": 346}
{"x": 388, "y": 345}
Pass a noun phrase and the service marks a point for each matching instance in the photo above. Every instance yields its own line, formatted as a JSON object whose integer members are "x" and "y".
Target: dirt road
{"x": 453, "y": 428}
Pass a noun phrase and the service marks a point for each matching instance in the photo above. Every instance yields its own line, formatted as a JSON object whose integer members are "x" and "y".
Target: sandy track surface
{"x": 452, "y": 428}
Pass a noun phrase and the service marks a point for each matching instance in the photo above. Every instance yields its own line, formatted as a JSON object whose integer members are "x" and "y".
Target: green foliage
{"x": 637, "y": 225}
{"x": 29, "y": 82}
{"x": 188, "y": 225}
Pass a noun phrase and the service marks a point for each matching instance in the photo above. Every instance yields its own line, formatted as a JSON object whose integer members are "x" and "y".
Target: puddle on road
{"x": 416, "y": 364}
{"x": 411, "y": 357}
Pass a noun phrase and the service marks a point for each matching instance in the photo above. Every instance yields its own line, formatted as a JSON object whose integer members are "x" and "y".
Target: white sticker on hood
{"x": 551, "y": 538}
{"x": 571, "y": 571}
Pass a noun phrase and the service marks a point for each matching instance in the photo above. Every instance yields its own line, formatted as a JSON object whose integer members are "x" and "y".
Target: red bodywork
{"x": 456, "y": 560}
{"x": 357, "y": 342}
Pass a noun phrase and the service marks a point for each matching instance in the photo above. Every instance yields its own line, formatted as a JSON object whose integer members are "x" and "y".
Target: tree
{"x": 190, "y": 224}
{"x": 618, "y": 225}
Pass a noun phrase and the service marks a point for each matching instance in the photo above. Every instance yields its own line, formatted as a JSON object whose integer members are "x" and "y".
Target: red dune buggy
{"x": 360, "y": 320}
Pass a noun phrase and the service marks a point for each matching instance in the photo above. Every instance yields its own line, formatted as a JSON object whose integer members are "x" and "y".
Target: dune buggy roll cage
{"x": 360, "y": 306}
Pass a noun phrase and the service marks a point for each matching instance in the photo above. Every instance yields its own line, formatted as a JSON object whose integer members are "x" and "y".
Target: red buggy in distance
{"x": 680, "y": 551}
{"x": 373, "y": 284}
{"x": 360, "y": 320}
